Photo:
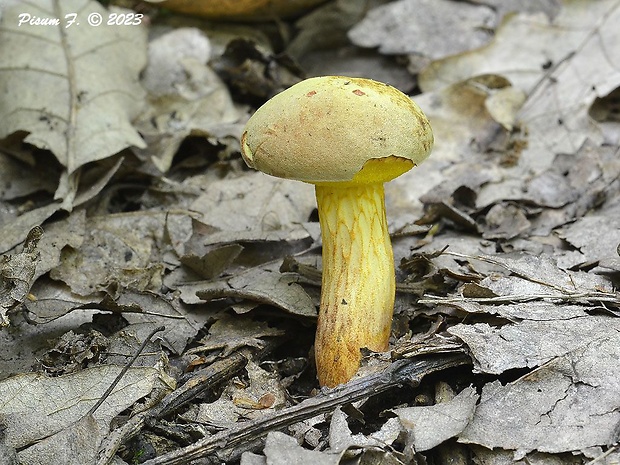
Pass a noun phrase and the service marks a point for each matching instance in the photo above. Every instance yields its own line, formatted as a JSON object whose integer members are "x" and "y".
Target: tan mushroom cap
{"x": 325, "y": 129}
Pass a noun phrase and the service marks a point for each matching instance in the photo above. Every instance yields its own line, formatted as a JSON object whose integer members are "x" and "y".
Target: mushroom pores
{"x": 325, "y": 129}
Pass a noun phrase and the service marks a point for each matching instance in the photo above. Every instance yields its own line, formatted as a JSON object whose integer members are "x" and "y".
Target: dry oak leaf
{"x": 73, "y": 88}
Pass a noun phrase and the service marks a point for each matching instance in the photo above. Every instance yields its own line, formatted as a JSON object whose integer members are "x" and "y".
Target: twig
{"x": 200, "y": 381}
{"x": 124, "y": 370}
{"x": 588, "y": 296}
{"x": 398, "y": 373}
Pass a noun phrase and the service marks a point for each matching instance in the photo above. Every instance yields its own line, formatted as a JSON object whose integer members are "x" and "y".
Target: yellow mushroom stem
{"x": 358, "y": 283}
{"x": 357, "y": 296}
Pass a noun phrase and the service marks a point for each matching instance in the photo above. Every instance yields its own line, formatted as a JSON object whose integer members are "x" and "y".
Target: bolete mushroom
{"x": 347, "y": 136}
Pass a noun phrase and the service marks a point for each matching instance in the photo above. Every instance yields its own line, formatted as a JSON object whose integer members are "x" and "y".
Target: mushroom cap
{"x": 326, "y": 129}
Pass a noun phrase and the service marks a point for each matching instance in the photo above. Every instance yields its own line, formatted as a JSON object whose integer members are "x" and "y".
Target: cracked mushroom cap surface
{"x": 325, "y": 129}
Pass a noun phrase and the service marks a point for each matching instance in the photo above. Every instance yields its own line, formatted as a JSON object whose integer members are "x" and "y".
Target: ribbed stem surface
{"x": 357, "y": 295}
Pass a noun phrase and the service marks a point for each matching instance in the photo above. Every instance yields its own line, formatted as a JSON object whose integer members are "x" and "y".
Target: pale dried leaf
{"x": 456, "y": 113}
{"x": 532, "y": 343}
{"x": 68, "y": 232}
{"x": 592, "y": 71}
{"x": 15, "y": 231}
{"x": 533, "y": 275}
{"x": 119, "y": 248}
{"x": 18, "y": 179}
{"x": 186, "y": 97}
{"x": 255, "y": 201}
{"x": 281, "y": 449}
{"x": 94, "y": 75}
{"x": 597, "y": 237}
{"x": 17, "y": 273}
{"x": 342, "y": 439}
{"x": 410, "y": 26}
{"x": 244, "y": 401}
{"x": 569, "y": 403}
{"x": 164, "y": 72}
{"x": 537, "y": 311}
{"x": 264, "y": 285}
{"x": 516, "y": 52}
{"x": 214, "y": 262}
{"x": 34, "y": 406}
{"x": 231, "y": 333}
{"x": 78, "y": 443}
{"x": 432, "y": 425}
{"x": 485, "y": 456}
{"x": 249, "y": 458}
{"x": 152, "y": 309}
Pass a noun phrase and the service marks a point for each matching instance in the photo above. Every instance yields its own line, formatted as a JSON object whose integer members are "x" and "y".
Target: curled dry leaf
{"x": 231, "y": 333}
{"x": 262, "y": 285}
{"x": 17, "y": 274}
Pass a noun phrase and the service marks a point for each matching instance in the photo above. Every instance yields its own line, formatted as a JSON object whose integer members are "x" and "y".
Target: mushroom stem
{"x": 358, "y": 284}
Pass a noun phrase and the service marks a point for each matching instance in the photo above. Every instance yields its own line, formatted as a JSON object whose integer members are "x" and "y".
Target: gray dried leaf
{"x": 531, "y": 343}
{"x": 152, "y": 309}
{"x": 187, "y": 97}
{"x": 73, "y": 352}
{"x": 569, "y": 403}
{"x": 164, "y": 72}
{"x": 77, "y": 443}
{"x": 53, "y": 300}
{"x": 249, "y": 458}
{"x": 255, "y": 201}
{"x": 241, "y": 400}
{"x": 17, "y": 274}
{"x": 551, "y": 189}
{"x": 485, "y": 456}
{"x": 233, "y": 332}
{"x": 88, "y": 117}
{"x": 214, "y": 262}
{"x": 597, "y": 238}
{"x": 18, "y": 179}
{"x": 325, "y": 27}
{"x": 14, "y": 231}
{"x": 34, "y": 407}
{"x": 505, "y": 221}
{"x": 68, "y": 232}
{"x": 582, "y": 181}
{"x": 430, "y": 426}
{"x": 535, "y": 275}
{"x": 264, "y": 285}
{"x": 410, "y": 26}
{"x": 532, "y": 310}
{"x": 342, "y": 439}
{"x": 587, "y": 73}
{"x": 122, "y": 249}
{"x": 549, "y": 7}
{"x": 281, "y": 449}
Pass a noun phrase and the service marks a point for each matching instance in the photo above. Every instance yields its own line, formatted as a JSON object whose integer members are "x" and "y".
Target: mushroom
{"x": 347, "y": 136}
